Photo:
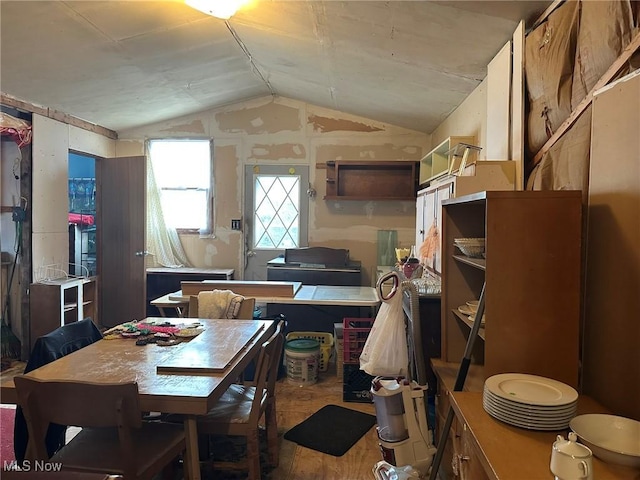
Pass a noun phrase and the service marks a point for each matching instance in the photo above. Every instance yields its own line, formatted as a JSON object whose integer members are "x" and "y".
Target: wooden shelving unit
{"x": 57, "y": 303}
{"x": 377, "y": 180}
{"x": 532, "y": 272}
{"x": 531, "y": 277}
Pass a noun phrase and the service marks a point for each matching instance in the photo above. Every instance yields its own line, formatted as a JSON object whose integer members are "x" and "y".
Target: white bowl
{"x": 613, "y": 439}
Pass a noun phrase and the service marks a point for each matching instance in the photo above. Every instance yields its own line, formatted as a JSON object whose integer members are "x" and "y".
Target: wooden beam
{"x": 586, "y": 101}
{"x": 56, "y": 115}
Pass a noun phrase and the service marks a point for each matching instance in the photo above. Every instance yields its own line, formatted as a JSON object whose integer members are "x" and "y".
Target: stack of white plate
{"x": 530, "y": 401}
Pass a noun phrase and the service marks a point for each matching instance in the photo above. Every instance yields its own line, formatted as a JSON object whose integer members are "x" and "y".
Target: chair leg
{"x": 272, "y": 435}
{"x": 253, "y": 455}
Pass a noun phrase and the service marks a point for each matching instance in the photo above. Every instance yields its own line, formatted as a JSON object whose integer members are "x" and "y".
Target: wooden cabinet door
{"x": 444, "y": 192}
{"x": 469, "y": 464}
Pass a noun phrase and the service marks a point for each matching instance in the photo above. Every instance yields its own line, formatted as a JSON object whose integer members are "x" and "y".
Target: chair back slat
{"x": 267, "y": 368}
{"x": 77, "y": 403}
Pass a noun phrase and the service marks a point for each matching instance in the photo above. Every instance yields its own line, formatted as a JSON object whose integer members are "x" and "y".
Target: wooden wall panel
{"x": 498, "y": 104}
{"x": 611, "y": 366}
{"x": 517, "y": 105}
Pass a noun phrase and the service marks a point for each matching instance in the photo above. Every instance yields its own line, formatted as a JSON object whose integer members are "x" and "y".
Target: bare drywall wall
{"x": 262, "y": 119}
{"x": 289, "y": 132}
{"x": 50, "y": 235}
{"x": 470, "y": 118}
{"x": 52, "y": 141}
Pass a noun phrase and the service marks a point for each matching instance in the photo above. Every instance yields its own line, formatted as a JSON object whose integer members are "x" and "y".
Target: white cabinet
{"x": 59, "y": 302}
{"x": 428, "y": 208}
{"x": 481, "y": 176}
{"x": 438, "y": 161}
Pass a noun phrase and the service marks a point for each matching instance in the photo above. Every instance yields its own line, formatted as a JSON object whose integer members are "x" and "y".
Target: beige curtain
{"x": 163, "y": 242}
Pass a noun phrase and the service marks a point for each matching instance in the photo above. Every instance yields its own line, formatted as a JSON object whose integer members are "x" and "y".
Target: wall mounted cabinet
{"x": 438, "y": 161}
{"x": 376, "y": 180}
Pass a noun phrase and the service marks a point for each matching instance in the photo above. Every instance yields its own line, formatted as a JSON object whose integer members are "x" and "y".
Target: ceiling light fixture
{"x": 224, "y": 9}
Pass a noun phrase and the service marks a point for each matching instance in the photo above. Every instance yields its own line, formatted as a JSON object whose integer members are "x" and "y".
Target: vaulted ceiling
{"x": 127, "y": 64}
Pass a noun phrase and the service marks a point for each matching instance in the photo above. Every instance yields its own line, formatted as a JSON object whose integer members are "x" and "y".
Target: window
{"x": 183, "y": 173}
{"x": 277, "y": 211}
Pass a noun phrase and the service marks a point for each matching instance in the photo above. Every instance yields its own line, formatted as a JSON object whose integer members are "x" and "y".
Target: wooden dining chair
{"x": 113, "y": 439}
{"x": 239, "y": 410}
{"x": 47, "y": 348}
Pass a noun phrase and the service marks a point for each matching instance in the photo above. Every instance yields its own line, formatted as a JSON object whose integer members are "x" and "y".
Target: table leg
{"x": 161, "y": 310}
{"x": 192, "y": 458}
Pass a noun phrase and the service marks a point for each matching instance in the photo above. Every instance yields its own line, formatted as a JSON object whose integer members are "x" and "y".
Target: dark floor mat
{"x": 332, "y": 429}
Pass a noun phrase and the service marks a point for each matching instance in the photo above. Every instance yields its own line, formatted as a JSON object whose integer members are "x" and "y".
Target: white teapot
{"x": 571, "y": 460}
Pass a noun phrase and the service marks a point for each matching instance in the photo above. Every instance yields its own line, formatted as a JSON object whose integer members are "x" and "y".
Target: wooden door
{"x": 120, "y": 208}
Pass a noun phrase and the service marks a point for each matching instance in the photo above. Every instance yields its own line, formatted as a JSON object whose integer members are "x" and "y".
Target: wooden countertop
{"x": 512, "y": 453}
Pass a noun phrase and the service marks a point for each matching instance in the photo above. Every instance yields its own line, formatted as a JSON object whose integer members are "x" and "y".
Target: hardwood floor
{"x": 295, "y": 404}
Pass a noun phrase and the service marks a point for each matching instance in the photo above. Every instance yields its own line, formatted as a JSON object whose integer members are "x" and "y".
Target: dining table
{"x": 184, "y": 378}
{"x": 318, "y": 295}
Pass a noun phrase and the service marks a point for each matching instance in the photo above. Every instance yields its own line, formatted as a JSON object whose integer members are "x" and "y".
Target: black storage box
{"x": 356, "y": 386}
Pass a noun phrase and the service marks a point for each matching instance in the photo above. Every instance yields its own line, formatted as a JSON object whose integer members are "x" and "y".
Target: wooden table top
{"x": 512, "y": 453}
{"x": 120, "y": 360}
{"x": 349, "y": 296}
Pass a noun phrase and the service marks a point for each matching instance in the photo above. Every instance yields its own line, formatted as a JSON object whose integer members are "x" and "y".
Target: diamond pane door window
{"x": 276, "y": 211}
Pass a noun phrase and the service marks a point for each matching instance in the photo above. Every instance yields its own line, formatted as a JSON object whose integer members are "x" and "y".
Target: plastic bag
{"x": 386, "y": 471}
{"x": 385, "y": 352}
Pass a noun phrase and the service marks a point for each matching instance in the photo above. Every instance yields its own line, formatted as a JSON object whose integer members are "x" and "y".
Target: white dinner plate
{"x": 472, "y": 318}
{"x": 465, "y": 310}
{"x": 530, "y": 425}
{"x": 542, "y": 422}
{"x": 523, "y": 407}
{"x": 531, "y": 389}
{"x": 544, "y": 417}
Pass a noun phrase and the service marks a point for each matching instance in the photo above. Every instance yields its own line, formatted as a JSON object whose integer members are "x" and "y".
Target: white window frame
{"x": 180, "y": 163}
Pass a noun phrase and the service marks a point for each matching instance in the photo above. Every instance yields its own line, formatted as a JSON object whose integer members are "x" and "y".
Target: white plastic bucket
{"x": 302, "y": 357}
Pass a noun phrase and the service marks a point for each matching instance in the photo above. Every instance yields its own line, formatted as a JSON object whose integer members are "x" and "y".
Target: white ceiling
{"x": 126, "y": 64}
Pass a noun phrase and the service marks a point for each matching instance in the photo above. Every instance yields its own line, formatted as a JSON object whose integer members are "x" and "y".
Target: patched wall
{"x": 282, "y": 131}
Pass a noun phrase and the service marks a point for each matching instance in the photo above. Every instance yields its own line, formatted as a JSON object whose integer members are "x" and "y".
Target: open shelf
{"x": 438, "y": 161}
{"x": 531, "y": 276}
{"x": 469, "y": 323}
{"x": 377, "y": 180}
{"x": 480, "y": 263}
